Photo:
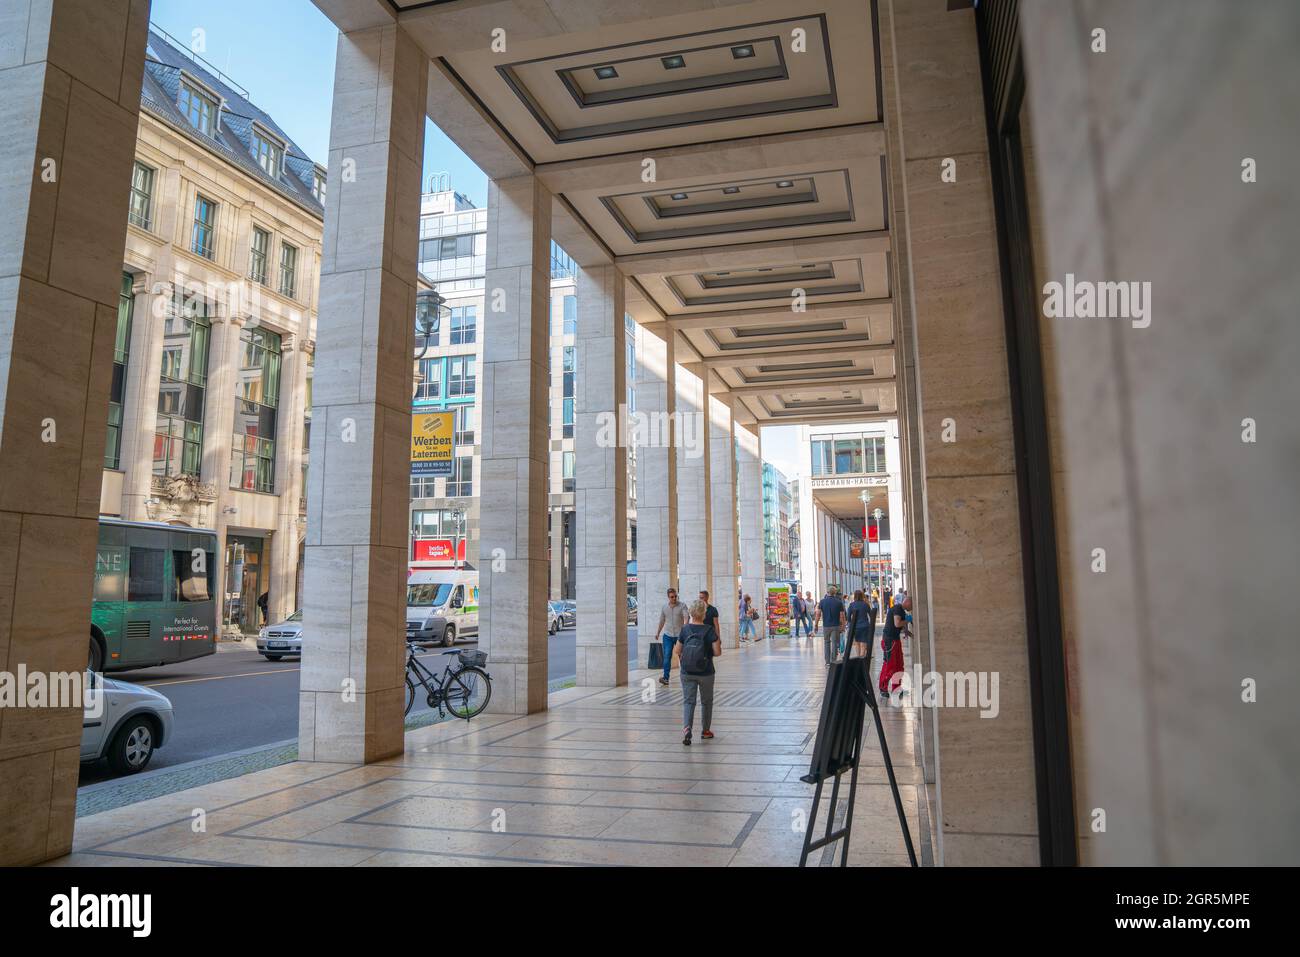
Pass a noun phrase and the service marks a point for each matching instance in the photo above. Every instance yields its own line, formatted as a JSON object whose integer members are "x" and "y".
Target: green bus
{"x": 154, "y": 601}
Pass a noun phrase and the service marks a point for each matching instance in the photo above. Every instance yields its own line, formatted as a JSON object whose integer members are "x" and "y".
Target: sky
{"x": 282, "y": 52}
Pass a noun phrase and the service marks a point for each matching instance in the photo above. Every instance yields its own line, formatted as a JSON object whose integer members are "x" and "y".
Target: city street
{"x": 235, "y": 700}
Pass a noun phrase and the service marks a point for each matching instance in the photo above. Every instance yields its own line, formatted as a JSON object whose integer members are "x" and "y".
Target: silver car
{"x": 285, "y": 638}
{"x": 123, "y": 722}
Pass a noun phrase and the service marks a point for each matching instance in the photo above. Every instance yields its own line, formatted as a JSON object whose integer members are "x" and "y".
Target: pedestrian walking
{"x": 672, "y": 619}
{"x": 698, "y": 646}
{"x": 748, "y": 615}
{"x": 264, "y": 603}
{"x": 808, "y": 607}
{"x": 891, "y": 642}
{"x": 710, "y": 615}
{"x": 830, "y": 616}
{"x": 862, "y": 622}
{"x": 796, "y": 613}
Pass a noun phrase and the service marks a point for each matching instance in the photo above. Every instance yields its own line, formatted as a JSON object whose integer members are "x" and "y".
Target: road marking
{"x": 246, "y": 674}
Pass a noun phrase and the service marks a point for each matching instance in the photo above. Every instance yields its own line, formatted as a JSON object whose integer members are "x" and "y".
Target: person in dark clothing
{"x": 830, "y": 615}
{"x": 710, "y": 616}
{"x": 891, "y": 642}
{"x": 797, "y": 612}
{"x": 263, "y": 603}
{"x": 695, "y": 651}
{"x": 862, "y": 621}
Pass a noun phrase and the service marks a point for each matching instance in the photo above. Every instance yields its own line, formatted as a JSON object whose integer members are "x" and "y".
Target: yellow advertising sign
{"x": 433, "y": 443}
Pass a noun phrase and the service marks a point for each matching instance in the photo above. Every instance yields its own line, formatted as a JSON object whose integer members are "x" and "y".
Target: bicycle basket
{"x": 473, "y": 659}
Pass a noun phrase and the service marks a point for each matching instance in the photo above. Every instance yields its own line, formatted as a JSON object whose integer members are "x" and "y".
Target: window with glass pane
{"x": 568, "y": 463}
{"x": 199, "y": 108}
{"x": 570, "y": 316}
{"x": 257, "y": 255}
{"x": 178, "y": 436}
{"x": 430, "y": 386}
{"x": 461, "y": 482}
{"x": 269, "y": 153}
{"x": 465, "y": 418}
{"x": 848, "y": 455}
{"x": 821, "y": 457}
{"x": 205, "y": 223}
{"x": 257, "y": 397}
{"x": 288, "y": 269}
{"x": 568, "y": 418}
{"x": 318, "y": 186}
{"x": 460, "y": 379}
{"x": 422, "y": 486}
{"x": 464, "y": 325}
{"x": 121, "y": 353}
{"x": 141, "y": 212}
{"x": 875, "y": 454}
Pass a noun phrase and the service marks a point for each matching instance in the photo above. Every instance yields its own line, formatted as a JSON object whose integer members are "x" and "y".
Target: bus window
{"x": 194, "y": 574}
{"x": 110, "y": 572}
{"x": 145, "y": 580}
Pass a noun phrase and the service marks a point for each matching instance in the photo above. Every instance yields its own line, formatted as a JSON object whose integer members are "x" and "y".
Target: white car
{"x": 553, "y": 622}
{"x": 285, "y": 638}
{"x": 123, "y": 722}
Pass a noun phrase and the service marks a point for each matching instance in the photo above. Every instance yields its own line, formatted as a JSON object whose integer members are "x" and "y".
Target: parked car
{"x": 631, "y": 610}
{"x": 123, "y": 722}
{"x": 284, "y": 638}
{"x": 552, "y": 617}
{"x": 569, "y": 613}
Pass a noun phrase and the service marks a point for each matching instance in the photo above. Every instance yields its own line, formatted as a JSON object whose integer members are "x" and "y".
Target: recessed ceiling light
{"x": 784, "y": 184}
{"x": 743, "y": 52}
{"x": 674, "y": 62}
{"x": 731, "y": 189}
{"x": 679, "y": 196}
{"x": 606, "y": 73}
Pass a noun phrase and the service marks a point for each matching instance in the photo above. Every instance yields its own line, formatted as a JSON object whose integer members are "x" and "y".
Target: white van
{"x": 441, "y": 605}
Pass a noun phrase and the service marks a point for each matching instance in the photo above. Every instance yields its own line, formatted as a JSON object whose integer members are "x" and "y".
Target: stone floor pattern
{"x": 599, "y": 779}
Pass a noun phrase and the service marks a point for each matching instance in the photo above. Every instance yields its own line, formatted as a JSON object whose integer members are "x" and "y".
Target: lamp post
{"x": 880, "y": 549}
{"x": 457, "y": 515}
{"x": 865, "y": 498}
{"x": 428, "y": 317}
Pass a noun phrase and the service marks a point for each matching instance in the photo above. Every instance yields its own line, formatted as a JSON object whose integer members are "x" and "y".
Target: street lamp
{"x": 457, "y": 516}
{"x": 865, "y": 498}
{"x": 429, "y": 305}
{"x": 880, "y": 551}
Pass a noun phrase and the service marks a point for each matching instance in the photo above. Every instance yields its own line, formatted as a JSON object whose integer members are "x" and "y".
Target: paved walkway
{"x": 601, "y": 778}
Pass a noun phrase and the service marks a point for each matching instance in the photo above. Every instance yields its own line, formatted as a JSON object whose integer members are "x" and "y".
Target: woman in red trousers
{"x": 891, "y": 643}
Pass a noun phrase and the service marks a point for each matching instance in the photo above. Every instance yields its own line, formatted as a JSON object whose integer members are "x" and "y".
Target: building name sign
{"x": 849, "y": 482}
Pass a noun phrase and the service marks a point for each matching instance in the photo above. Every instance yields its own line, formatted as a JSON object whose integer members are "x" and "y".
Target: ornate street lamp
{"x": 429, "y": 306}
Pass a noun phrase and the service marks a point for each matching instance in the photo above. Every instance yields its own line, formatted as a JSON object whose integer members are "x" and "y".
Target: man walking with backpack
{"x": 830, "y": 615}
{"x": 698, "y": 645}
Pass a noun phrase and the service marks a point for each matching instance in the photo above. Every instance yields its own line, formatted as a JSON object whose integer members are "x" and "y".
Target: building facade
{"x": 210, "y": 396}
{"x": 778, "y": 513}
{"x": 444, "y": 512}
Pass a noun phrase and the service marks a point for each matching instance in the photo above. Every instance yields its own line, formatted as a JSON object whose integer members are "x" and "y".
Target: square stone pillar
{"x": 749, "y": 496}
{"x": 975, "y": 613}
{"x": 352, "y": 692}
{"x": 694, "y": 529}
{"x": 600, "y": 478}
{"x": 656, "y": 487}
{"x": 69, "y": 105}
{"x": 516, "y": 430}
{"x": 140, "y": 402}
{"x": 722, "y": 490}
{"x": 288, "y": 479}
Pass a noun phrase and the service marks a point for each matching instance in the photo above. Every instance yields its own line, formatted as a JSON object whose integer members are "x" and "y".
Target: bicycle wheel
{"x": 468, "y": 692}
{"x": 410, "y": 694}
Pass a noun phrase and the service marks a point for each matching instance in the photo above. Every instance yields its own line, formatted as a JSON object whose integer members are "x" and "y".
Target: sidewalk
{"x": 600, "y": 778}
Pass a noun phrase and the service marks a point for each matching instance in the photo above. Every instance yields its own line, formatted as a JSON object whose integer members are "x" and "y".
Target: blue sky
{"x": 282, "y": 52}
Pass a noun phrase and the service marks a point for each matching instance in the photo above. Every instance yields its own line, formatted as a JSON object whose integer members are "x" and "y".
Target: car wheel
{"x": 95, "y": 660}
{"x": 272, "y": 657}
{"x": 132, "y": 746}
{"x": 449, "y": 636}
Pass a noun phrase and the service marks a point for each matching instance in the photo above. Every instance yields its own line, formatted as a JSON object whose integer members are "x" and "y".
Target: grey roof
{"x": 160, "y": 92}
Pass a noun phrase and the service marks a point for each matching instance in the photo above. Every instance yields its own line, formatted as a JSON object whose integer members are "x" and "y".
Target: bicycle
{"x": 464, "y": 691}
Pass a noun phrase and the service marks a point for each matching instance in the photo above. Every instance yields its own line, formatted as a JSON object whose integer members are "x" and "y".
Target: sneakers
{"x": 663, "y": 681}
{"x": 707, "y": 734}
{"x": 686, "y": 737}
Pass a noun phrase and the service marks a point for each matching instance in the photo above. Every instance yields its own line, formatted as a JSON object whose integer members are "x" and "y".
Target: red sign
{"x": 436, "y": 550}
{"x": 872, "y": 532}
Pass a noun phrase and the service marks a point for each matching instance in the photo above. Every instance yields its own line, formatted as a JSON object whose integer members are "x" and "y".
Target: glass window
{"x": 199, "y": 108}
{"x": 257, "y": 397}
{"x": 288, "y": 269}
{"x": 464, "y": 325}
{"x": 202, "y": 239}
{"x": 568, "y": 418}
{"x": 193, "y": 584}
{"x": 178, "y": 439}
{"x": 318, "y": 186}
{"x": 430, "y": 385}
{"x": 821, "y": 457}
{"x": 570, "y": 316}
{"x": 464, "y": 425}
{"x": 460, "y": 378}
{"x": 568, "y": 463}
{"x": 257, "y": 255}
{"x": 461, "y": 482}
{"x": 141, "y": 213}
{"x": 268, "y": 152}
{"x": 145, "y": 575}
{"x": 117, "y": 389}
{"x": 848, "y": 456}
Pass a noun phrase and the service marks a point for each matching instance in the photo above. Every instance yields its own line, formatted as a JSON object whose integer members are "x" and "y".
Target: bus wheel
{"x": 95, "y": 661}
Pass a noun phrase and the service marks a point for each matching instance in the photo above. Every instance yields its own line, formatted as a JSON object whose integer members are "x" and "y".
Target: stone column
{"x": 976, "y": 620}
{"x": 516, "y": 368}
{"x": 218, "y": 426}
{"x": 656, "y": 487}
{"x": 140, "y": 396}
{"x": 69, "y": 104}
{"x": 352, "y": 693}
{"x": 288, "y": 479}
{"x": 694, "y": 532}
{"x": 722, "y": 489}
{"x": 600, "y": 478}
{"x": 749, "y": 494}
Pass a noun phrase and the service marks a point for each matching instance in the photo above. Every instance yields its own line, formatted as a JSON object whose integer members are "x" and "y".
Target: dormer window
{"x": 199, "y": 108}
{"x": 269, "y": 153}
{"x": 318, "y": 185}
